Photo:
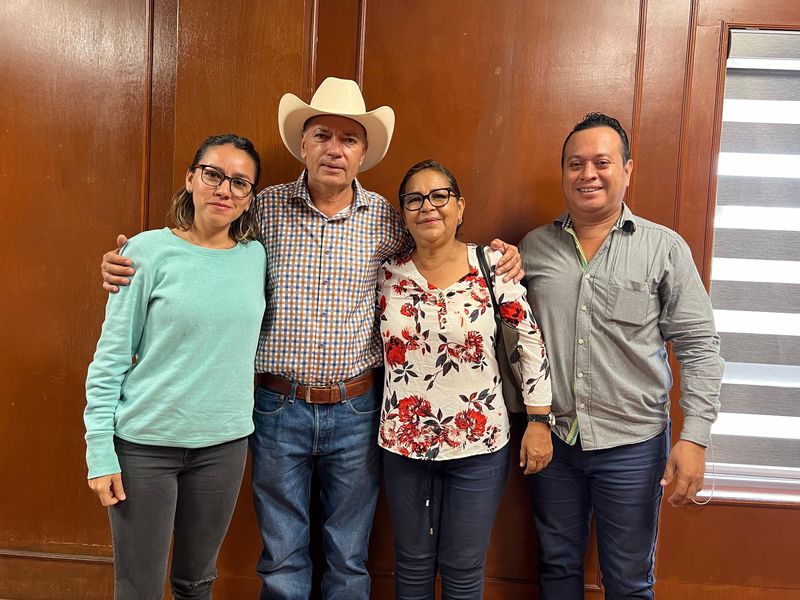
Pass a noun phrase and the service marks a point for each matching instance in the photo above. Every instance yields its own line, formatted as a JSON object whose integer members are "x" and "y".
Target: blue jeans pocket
{"x": 367, "y": 404}
{"x": 268, "y": 402}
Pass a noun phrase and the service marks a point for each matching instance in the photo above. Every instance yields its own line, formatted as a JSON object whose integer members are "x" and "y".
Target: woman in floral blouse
{"x": 444, "y": 425}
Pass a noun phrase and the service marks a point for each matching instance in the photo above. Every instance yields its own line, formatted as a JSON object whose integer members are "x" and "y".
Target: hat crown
{"x": 341, "y": 96}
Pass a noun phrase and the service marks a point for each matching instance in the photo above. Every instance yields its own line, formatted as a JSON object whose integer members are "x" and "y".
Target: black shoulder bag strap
{"x": 487, "y": 275}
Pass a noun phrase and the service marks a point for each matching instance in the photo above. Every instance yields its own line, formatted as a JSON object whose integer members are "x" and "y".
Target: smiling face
{"x": 431, "y": 225}
{"x": 214, "y": 206}
{"x": 333, "y": 149}
{"x": 594, "y": 174}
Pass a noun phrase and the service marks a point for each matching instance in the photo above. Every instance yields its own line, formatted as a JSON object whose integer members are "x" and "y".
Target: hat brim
{"x": 378, "y": 123}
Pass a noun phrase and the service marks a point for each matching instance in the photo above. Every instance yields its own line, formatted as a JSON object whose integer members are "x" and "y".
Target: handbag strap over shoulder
{"x": 480, "y": 251}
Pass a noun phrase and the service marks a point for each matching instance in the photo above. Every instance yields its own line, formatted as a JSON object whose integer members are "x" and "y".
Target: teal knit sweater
{"x": 174, "y": 363}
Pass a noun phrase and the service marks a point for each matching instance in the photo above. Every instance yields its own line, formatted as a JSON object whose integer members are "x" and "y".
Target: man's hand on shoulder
{"x": 116, "y": 269}
{"x": 510, "y": 264}
{"x": 686, "y": 466}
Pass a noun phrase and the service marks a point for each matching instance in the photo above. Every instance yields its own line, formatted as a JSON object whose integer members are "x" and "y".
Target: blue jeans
{"x": 442, "y": 515}
{"x": 621, "y": 486}
{"x": 183, "y": 495}
{"x": 292, "y": 439}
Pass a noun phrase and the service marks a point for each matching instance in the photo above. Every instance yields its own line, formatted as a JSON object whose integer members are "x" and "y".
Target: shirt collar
{"x": 626, "y": 220}
{"x": 300, "y": 192}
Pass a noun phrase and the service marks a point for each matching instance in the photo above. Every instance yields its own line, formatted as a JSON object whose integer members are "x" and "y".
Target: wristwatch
{"x": 549, "y": 418}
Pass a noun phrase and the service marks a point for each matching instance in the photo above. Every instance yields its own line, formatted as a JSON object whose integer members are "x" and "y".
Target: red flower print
{"x": 416, "y": 440}
{"x": 471, "y": 351}
{"x": 481, "y": 297}
{"x": 395, "y": 351}
{"x": 453, "y": 436}
{"x": 512, "y": 312}
{"x": 401, "y": 286}
{"x": 473, "y": 422}
{"x": 408, "y": 310}
{"x": 412, "y": 408}
{"x": 412, "y": 341}
{"x": 473, "y": 276}
{"x": 388, "y": 435}
{"x": 401, "y": 260}
{"x": 382, "y": 304}
{"x": 473, "y": 345}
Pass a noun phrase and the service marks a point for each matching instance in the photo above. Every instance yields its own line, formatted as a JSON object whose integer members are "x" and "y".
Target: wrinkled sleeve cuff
{"x": 101, "y": 458}
{"x": 697, "y": 430}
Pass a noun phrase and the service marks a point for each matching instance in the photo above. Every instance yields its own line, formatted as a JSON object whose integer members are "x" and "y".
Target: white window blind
{"x": 755, "y": 270}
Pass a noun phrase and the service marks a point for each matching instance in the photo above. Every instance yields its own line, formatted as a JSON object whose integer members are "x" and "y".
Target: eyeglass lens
{"x": 214, "y": 177}
{"x": 437, "y": 198}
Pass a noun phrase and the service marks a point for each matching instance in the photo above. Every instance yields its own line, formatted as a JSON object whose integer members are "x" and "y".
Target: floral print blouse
{"x": 443, "y": 396}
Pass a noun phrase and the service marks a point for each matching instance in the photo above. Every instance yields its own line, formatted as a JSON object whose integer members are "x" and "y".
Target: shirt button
{"x": 583, "y": 308}
{"x": 587, "y": 276}
{"x": 582, "y": 406}
{"x": 324, "y": 282}
{"x": 580, "y": 375}
{"x": 580, "y": 340}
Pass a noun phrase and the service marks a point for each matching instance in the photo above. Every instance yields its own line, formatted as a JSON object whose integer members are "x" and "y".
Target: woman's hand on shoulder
{"x": 108, "y": 488}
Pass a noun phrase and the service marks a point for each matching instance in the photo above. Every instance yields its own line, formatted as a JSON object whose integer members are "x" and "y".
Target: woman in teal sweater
{"x": 170, "y": 390}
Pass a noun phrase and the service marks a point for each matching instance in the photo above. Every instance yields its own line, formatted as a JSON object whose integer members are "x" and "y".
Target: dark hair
{"x": 424, "y": 166}
{"x": 596, "y": 119}
{"x": 181, "y": 211}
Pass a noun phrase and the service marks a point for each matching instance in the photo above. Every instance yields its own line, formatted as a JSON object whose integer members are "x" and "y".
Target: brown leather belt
{"x": 330, "y": 394}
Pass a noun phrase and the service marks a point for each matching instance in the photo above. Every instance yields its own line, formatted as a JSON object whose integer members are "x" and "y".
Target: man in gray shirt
{"x": 610, "y": 290}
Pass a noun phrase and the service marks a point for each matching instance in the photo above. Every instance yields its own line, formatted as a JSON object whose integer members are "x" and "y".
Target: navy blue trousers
{"x": 442, "y": 514}
{"x": 621, "y": 487}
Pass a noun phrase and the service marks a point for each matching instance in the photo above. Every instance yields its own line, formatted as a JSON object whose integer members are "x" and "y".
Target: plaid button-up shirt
{"x": 320, "y": 324}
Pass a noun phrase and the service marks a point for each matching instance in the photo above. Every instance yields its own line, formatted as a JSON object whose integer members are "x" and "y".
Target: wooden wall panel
{"x": 656, "y": 135}
{"x": 71, "y": 155}
{"x": 339, "y": 40}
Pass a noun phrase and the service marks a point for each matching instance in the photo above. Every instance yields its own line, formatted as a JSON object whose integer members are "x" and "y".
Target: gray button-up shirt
{"x": 606, "y": 325}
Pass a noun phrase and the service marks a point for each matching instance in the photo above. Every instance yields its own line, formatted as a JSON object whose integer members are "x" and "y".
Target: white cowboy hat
{"x": 341, "y": 97}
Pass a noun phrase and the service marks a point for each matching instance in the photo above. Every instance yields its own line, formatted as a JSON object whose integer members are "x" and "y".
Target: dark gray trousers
{"x": 186, "y": 495}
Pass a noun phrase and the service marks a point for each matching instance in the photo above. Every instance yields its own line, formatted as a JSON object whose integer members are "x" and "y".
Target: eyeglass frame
{"x": 203, "y": 168}
{"x": 450, "y": 192}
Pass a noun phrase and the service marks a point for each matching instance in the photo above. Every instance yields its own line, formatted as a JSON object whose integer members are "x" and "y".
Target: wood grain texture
{"x": 70, "y": 176}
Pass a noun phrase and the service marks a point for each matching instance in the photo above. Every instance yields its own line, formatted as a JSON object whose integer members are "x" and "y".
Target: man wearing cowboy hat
{"x": 319, "y": 382}
{"x": 319, "y": 390}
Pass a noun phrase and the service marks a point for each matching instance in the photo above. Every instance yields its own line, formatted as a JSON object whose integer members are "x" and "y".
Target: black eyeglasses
{"x": 212, "y": 176}
{"x": 438, "y": 198}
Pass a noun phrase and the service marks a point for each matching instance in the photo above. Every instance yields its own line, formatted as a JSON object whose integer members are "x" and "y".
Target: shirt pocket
{"x": 628, "y": 301}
